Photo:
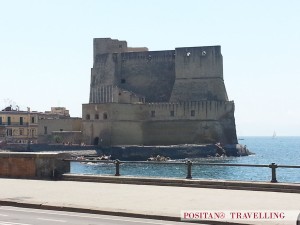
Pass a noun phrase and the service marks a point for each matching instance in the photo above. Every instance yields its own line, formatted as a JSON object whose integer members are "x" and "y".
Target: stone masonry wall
{"x": 156, "y": 124}
{"x": 150, "y": 74}
{"x": 199, "y": 75}
{"x": 33, "y": 165}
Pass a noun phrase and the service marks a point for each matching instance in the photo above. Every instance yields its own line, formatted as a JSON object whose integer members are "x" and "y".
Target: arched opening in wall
{"x": 152, "y": 113}
{"x": 192, "y": 112}
{"x": 87, "y": 117}
{"x": 105, "y": 116}
{"x": 96, "y": 141}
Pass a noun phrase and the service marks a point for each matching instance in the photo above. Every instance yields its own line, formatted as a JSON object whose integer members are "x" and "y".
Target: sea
{"x": 267, "y": 150}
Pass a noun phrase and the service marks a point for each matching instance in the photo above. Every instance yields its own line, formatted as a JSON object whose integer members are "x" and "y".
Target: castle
{"x": 141, "y": 97}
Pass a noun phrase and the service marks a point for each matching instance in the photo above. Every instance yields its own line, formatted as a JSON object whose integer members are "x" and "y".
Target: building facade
{"x": 55, "y": 126}
{"x": 141, "y": 97}
{"x": 59, "y": 130}
{"x": 18, "y": 126}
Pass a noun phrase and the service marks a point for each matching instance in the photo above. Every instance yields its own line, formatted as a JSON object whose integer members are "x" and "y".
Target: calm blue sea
{"x": 279, "y": 150}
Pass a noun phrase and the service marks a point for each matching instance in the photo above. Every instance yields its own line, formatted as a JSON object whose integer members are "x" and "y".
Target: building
{"x": 141, "y": 97}
{"x": 18, "y": 126}
{"x": 57, "y": 112}
{"x": 56, "y": 126}
{"x": 23, "y": 127}
{"x": 59, "y": 130}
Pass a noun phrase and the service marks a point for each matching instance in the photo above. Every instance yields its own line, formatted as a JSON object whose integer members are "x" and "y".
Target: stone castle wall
{"x": 149, "y": 74}
{"x": 199, "y": 75}
{"x": 158, "y": 123}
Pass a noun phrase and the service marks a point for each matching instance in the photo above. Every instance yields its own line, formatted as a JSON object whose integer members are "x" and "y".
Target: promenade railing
{"x": 189, "y": 164}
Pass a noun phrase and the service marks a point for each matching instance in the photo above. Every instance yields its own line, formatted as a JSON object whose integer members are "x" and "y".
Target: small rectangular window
{"x": 21, "y": 120}
{"x": 192, "y": 112}
{"x": 152, "y": 113}
{"x": 0, "y": 120}
{"x": 32, "y": 119}
{"x": 9, "y": 132}
{"x": 172, "y": 113}
{"x": 45, "y": 130}
{"x": 123, "y": 81}
{"x": 8, "y": 120}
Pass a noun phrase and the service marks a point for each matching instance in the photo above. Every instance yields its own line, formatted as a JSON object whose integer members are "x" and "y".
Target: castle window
{"x": 87, "y": 117}
{"x": 0, "y": 120}
{"x": 105, "y": 116}
{"x": 192, "y": 112}
{"x": 152, "y": 113}
{"x": 45, "y": 130}
{"x": 32, "y": 119}
{"x": 172, "y": 113}
{"x": 21, "y": 120}
{"x": 123, "y": 81}
{"x": 96, "y": 116}
{"x": 9, "y": 120}
{"x": 9, "y": 132}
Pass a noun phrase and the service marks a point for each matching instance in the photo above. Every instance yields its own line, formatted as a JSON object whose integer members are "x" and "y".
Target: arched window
{"x": 105, "y": 116}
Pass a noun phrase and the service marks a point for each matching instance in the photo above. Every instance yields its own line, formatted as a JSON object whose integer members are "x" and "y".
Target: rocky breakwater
{"x": 140, "y": 153}
{"x": 143, "y": 153}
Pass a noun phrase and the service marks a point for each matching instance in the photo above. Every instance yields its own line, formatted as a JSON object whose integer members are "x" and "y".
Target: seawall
{"x": 140, "y": 153}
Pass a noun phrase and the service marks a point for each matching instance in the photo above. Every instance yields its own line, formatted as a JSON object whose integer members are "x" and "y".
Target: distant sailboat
{"x": 274, "y": 135}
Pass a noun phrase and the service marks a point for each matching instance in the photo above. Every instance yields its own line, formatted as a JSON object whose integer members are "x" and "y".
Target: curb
{"x": 111, "y": 213}
{"x": 216, "y": 184}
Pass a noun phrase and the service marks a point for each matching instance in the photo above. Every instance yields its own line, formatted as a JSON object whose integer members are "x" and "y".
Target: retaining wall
{"x": 33, "y": 165}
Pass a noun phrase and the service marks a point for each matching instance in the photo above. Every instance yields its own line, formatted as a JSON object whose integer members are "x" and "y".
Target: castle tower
{"x": 111, "y": 58}
{"x": 199, "y": 75}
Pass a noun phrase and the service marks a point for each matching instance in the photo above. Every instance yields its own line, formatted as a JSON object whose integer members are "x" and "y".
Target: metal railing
{"x": 189, "y": 164}
{"x": 18, "y": 124}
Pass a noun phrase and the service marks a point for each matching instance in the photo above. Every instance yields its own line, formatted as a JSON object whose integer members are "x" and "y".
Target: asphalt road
{"x": 26, "y": 216}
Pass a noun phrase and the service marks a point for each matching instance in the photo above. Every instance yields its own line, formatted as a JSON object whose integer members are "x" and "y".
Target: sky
{"x": 46, "y": 51}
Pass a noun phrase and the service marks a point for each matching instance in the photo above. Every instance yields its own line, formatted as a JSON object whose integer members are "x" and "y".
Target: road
{"x": 26, "y": 216}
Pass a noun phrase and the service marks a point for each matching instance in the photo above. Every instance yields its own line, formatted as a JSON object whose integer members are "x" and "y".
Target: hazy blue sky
{"x": 46, "y": 50}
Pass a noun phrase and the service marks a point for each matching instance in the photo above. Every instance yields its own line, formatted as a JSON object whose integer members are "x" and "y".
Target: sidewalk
{"x": 140, "y": 200}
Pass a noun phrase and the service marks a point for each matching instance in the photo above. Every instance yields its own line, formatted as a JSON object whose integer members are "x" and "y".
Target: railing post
{"x": 117, "y": 162}
{"x": 189, "y": 169}
{"x": 273, "y": 166}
